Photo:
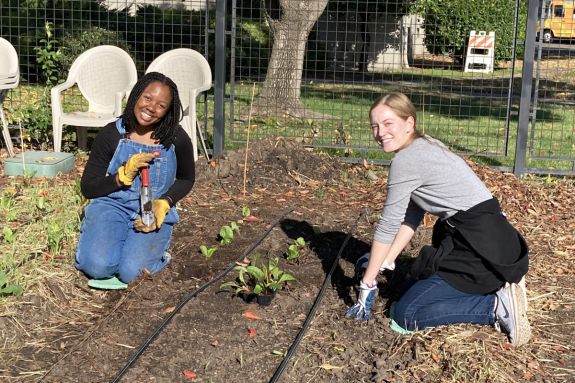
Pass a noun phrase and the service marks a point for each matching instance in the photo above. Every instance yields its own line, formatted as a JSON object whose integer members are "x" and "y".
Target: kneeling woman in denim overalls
{"x": 114, "y": 246}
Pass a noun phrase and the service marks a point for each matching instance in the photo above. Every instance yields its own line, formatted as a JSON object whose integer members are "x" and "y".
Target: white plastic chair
{"x": 192, "y": 74}
{"x": 105, "y": 75}
{"x": 9, "y": 78}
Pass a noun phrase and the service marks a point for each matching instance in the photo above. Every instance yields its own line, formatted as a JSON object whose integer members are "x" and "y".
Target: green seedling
{"x": 7, "y": 288}
{"x": 259, "y": 277}
{"x": 6, "y": 202}
{"x": 234, "y": 226}
{"x": 8, "y": 235}
{"x": 246, "y": 211}
{"x": 56, "y": 237}
{"x": 226, "y": 235}
{"x": 41, "y": 203}
{"x": 207, "y": 252}
{"x": 293, "y": 251}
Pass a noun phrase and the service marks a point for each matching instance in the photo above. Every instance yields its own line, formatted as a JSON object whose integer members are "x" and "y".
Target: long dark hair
{"x": 165, "y": 130}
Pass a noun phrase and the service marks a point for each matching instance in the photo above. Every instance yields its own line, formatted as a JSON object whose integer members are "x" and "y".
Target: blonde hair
{"x": 401, "y": 105}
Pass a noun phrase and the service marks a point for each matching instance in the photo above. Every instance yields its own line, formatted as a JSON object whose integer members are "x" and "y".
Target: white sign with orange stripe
{"x": 480, "y": 52}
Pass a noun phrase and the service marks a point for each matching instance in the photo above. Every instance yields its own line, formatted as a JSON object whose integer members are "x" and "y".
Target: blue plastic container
{"x": 39, "y": 164}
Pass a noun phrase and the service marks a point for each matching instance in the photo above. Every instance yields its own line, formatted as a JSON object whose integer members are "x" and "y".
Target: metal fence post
{"x": 520, "y": 164}
{"x": 220, "y": 79}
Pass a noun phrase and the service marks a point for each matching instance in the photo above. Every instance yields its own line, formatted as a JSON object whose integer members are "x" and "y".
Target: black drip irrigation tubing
{"x": 316, "y": 303}
{"x": 192, "y": 294}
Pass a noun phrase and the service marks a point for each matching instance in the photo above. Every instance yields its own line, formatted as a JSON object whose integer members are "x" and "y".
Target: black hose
{"x": 192, "y": 294}
{"x": 316, "y": 303}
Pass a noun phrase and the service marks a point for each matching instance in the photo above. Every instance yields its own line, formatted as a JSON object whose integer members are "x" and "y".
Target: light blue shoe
{"x": 393, "y": 324}
{"x": 107, "y": 284}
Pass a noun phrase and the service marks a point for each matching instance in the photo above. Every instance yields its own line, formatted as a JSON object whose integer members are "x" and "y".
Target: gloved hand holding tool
{"x": 129, "y": 171}
{"x": 160, "y": 208}
{"x": 362, "y": 309}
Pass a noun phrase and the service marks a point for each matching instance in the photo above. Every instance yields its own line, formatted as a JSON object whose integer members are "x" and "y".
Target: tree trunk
{"x": 290, "y": 22}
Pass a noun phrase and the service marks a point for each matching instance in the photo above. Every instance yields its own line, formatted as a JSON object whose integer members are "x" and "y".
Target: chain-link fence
{"x": 310, "y": 70}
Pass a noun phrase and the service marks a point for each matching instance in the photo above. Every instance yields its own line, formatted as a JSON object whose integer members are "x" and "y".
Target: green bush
{"x": 80, "y": 41}
{"x": 35, "y": 117}
{"x": 449, "y": 22}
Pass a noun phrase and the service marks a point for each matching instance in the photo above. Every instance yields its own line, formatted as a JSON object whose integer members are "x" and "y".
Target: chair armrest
{"x": 55, "y": 94}
{"x": 118, "y": 103}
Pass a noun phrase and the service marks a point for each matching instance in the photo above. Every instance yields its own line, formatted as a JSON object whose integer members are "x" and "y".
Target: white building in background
{"x": 380, "y": 42}
{"x": 133, "y": 5}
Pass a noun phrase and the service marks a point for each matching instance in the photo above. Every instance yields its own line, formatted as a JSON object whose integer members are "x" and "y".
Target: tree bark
{"x": 290, "y": 23}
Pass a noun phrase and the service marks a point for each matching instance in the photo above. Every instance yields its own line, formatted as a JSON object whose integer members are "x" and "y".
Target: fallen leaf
{"x": 435, "y": 358}
{"x": 251, "y": 218}
{"x": 215, "y": 343}
{"x": 243, "y": 262}
{"x": 190, "y": 374}
{"x": 343, "y": 194}
{"x": 251, "y": 331}
{"x": 169, "y": 310}
{"x": 213, "y": 163}
{"x": 250, "y": 315}
{"x": 330, "y": 367}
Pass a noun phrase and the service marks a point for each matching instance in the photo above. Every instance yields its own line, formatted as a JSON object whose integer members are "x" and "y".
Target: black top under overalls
{"x": 476, "y": 251}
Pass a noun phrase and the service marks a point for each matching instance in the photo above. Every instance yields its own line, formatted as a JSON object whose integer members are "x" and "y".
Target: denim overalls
{"x": 109, "y": 245}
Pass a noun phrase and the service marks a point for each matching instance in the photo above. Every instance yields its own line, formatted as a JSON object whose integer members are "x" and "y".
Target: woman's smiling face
{"x": 391, "y": 132}
{"x": 153, "y": 104}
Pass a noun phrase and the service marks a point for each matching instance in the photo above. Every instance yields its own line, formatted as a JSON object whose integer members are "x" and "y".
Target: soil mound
{"x": 273, "y": 162}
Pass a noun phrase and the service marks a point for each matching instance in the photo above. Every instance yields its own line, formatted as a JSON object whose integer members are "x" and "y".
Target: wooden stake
{"x": 248, "y": 139}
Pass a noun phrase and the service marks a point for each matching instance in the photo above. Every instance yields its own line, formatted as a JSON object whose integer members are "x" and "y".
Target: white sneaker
{"x": 511, "y": 313}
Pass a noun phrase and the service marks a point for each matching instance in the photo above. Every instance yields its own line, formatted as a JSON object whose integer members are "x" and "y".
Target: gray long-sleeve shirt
{"x": 426, "y": 177}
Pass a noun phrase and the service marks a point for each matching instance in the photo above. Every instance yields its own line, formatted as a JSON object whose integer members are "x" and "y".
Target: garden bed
{"x": 62, "y": 331}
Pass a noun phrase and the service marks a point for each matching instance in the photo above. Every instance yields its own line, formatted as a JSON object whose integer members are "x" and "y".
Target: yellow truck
{"x": 558, "y": 21}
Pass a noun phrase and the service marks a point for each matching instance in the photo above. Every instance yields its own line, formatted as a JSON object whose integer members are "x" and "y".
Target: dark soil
{"x": 209, "y": 337}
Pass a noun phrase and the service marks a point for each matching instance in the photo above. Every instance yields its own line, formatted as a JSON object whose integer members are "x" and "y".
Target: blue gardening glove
{"x": 362, "y": 309}
{"x": 361, "y": 265}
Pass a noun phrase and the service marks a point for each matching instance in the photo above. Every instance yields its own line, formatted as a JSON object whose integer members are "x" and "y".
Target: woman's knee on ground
{"x": 95, "y": 267}
{"x": 403, "y": 314}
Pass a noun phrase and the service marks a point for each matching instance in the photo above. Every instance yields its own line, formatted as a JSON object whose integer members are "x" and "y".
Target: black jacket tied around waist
{"x": 476, "y": 251}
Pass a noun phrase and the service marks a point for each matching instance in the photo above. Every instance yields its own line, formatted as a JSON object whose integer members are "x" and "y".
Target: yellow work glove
{"x": 160, "y": 207}
{"x": 128, "y": 171}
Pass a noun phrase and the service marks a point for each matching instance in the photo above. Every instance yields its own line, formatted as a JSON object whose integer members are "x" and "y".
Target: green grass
{"x": 42, "y": 219}
{"x": 469, "y": 124}
{"x": 453, "y": 106}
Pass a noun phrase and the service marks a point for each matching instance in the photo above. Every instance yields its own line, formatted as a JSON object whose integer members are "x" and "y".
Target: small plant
{"x": 259, "y": 277}
{"x": 56, "y": 237}
{"x": 208, "y": 251}
{"x": 48, "y": 55}
{"x": 7, "y": 288}
{"x": 246, "y": 211}
{"x": 293, "y": 251}
{"x": 227, "y": 233}
{"x": 8, "y": 235}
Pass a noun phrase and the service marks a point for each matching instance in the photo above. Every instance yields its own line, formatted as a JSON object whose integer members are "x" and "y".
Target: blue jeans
{"x": 434, "y": 302}
{"x": 110, "y": 246}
